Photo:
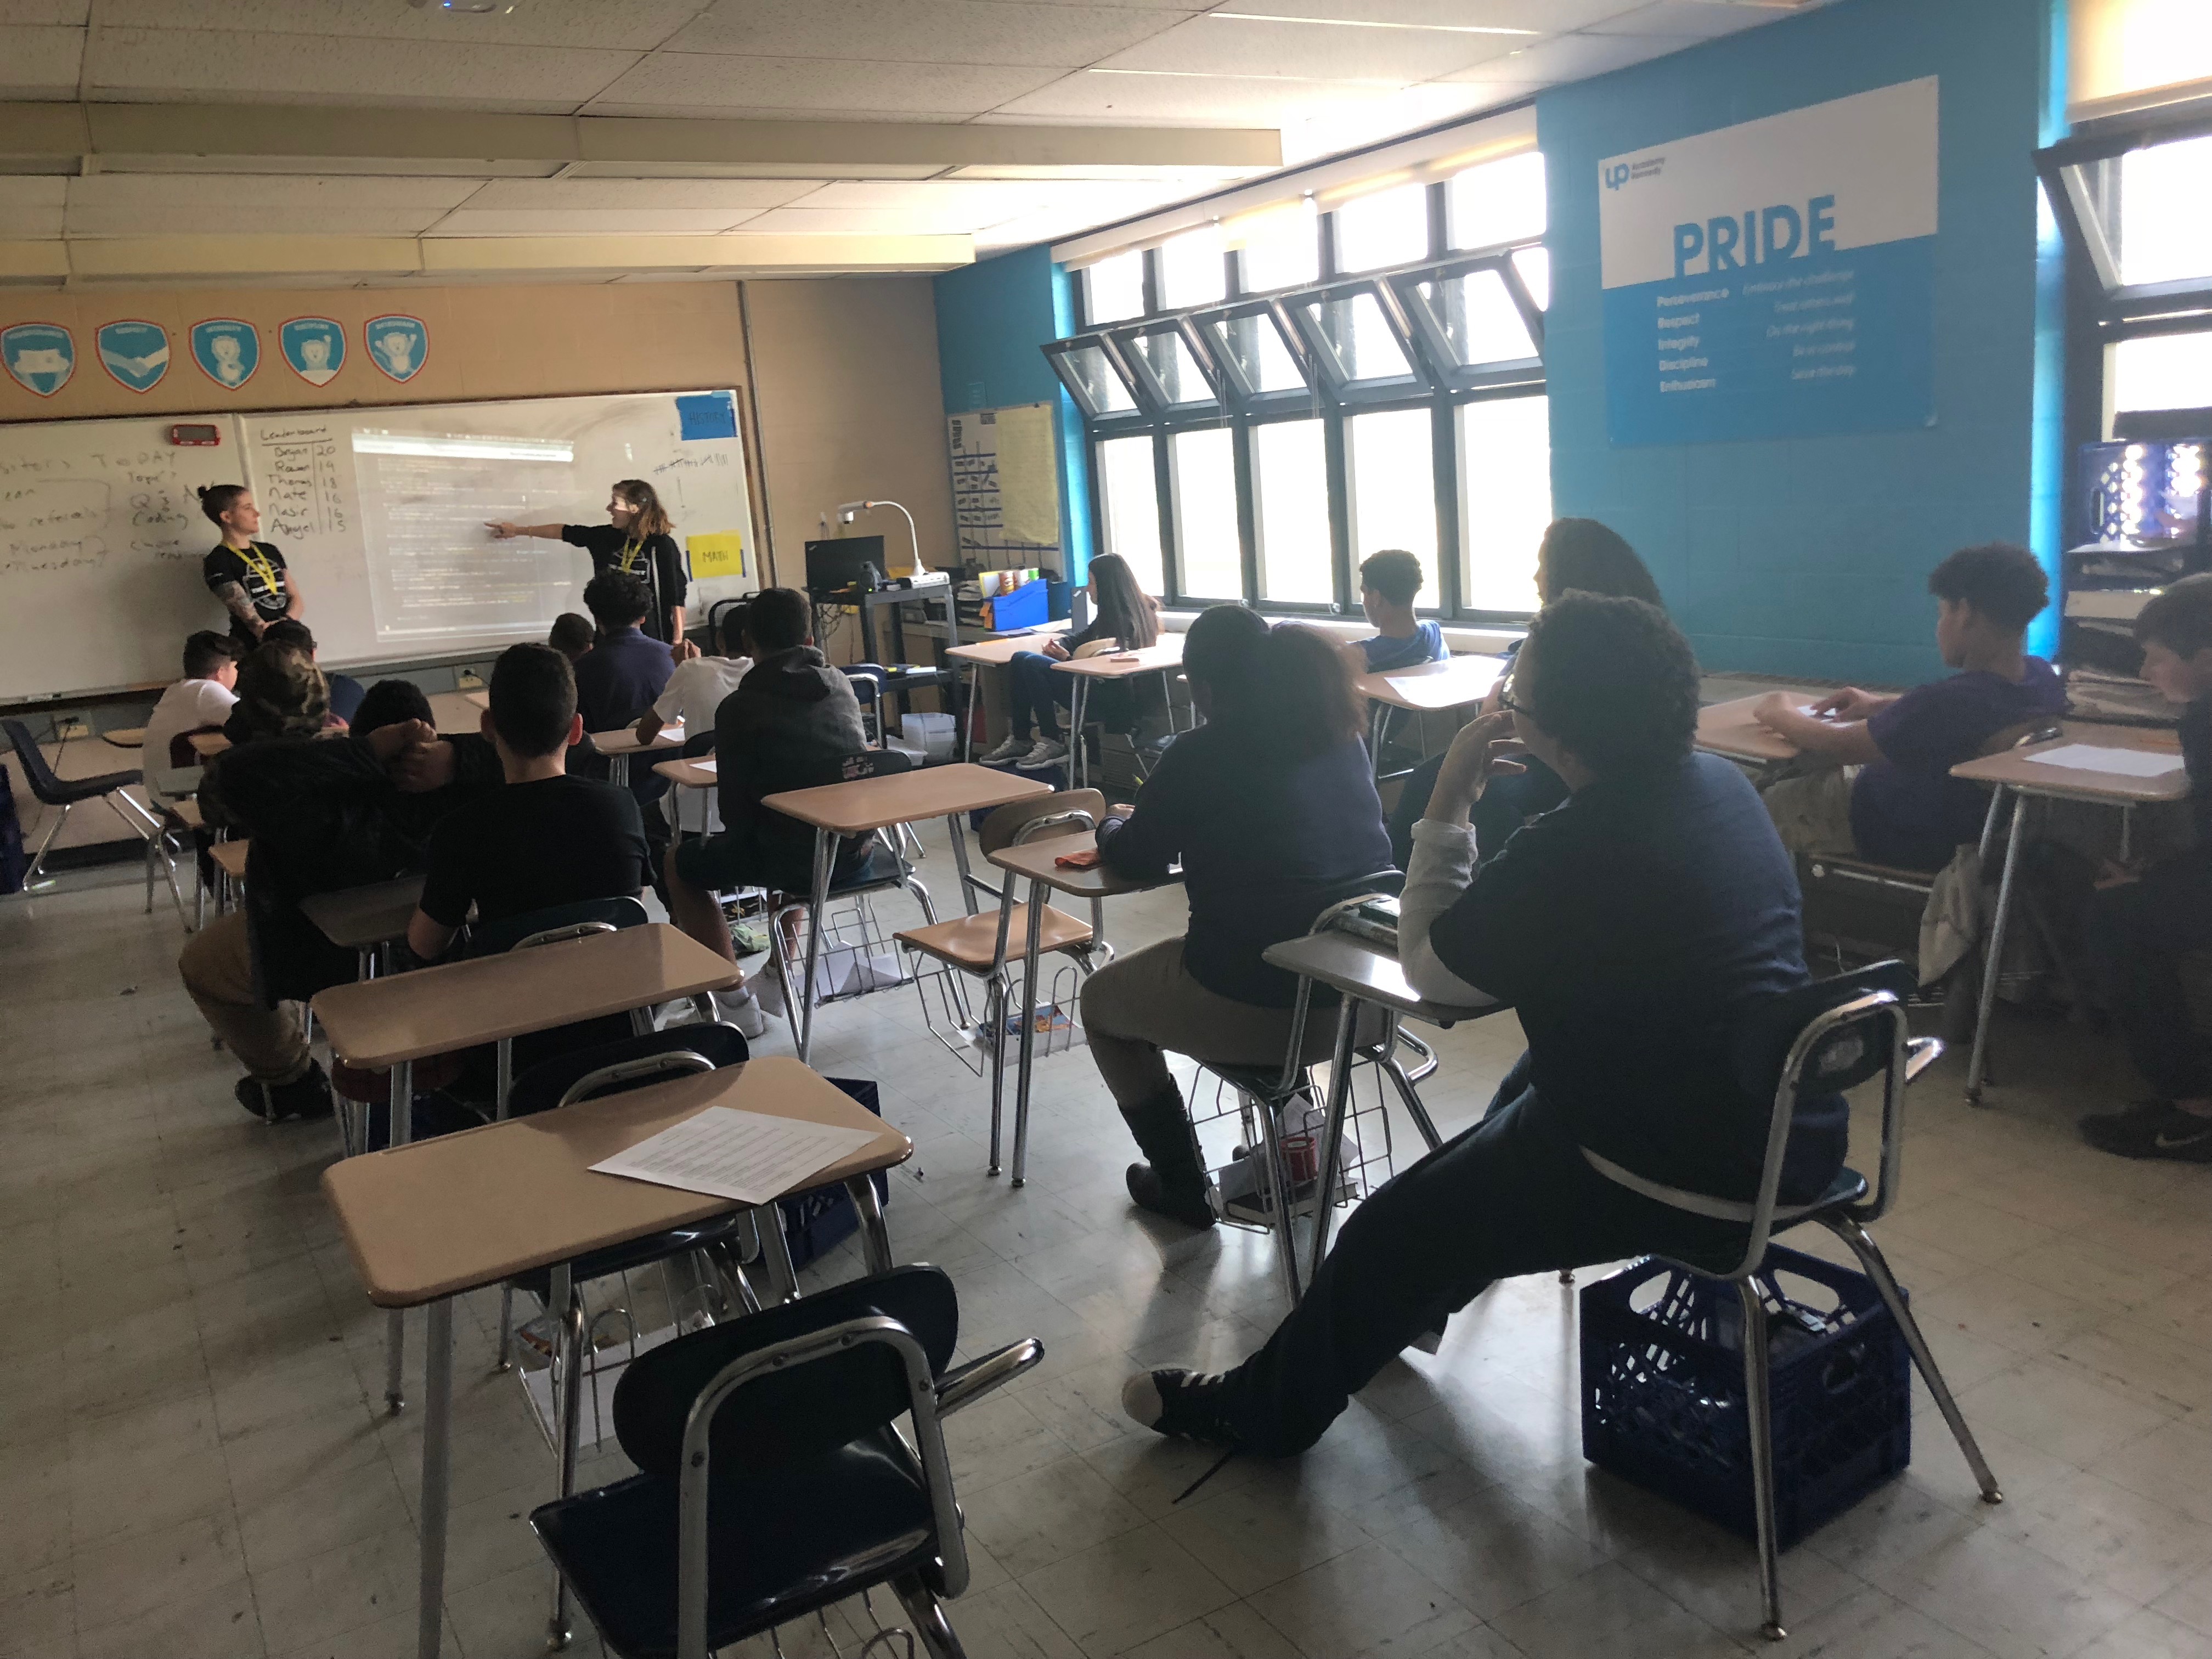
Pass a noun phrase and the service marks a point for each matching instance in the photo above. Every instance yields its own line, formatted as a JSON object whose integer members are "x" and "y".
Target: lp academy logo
{"x": 1622, "y": 173}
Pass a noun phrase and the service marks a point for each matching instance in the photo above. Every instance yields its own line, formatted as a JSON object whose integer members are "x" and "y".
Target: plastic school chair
{"x": 774, "y": 1478}
{"x": 51, "y": 791}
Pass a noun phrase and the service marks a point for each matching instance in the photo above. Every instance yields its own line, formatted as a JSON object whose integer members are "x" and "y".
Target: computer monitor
{"x": 849, "y": 561}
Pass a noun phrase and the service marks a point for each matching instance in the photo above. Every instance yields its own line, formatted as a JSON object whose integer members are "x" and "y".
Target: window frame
{"x": 1119, "y": 420}
{"x": 1438, "y": 385}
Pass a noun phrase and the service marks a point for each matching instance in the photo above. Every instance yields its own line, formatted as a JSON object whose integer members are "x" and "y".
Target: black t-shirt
{"x": 1635, "y": 930}
{"x": 653, "y": 560}
{"x": 530, "y": 845}
{"x": 262, "y": 576}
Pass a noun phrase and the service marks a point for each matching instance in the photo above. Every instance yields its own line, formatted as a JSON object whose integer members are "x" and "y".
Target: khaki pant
{"x": 217, "y": 967}
{"x": 1145, "y": 1006}
{"x": 1812, "y": 811}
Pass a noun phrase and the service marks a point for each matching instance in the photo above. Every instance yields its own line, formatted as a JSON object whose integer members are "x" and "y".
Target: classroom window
{"x": 1476, "y": 318}
{"x": 1115, "y": 288}
{"x": 1504, "y": 452}
{"x": 1208, "y": 553}
{"x": 1097, "y": 383}
{"x": 1194, "y": 268}
{"x": 2162, "y": 371}
{"x": 1280, "y": 247}
{"x": 1255, "y": 349}
{"x": 2156, "y": 218}
{"x": 1129, "y": 507}
{"x": 1391, "y": 463}
{"x": 1290, "y": 493}
{"x": 1532, "y": 265}
{"x": 1175, "y": 371}
{"x": 1498, "y": 202}
{"x": 1352, "y": 331}
{"x": 1388, "y": 228}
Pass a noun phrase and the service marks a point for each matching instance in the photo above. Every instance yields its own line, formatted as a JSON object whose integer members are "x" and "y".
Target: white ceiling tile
{"x": 184, "y": 221}
{"x": 993, "y": 196}
{"x": 212, "y": 63}
{"x": 1226, "y": 47}
{"x": 632, "y": 25}
{"x": 1575, "y": 58}
{"x": 1206, "y": 100}
{"x": 212, "y": 194}
{"x": 70, "y": 12}
{"x": 634, "y": 195}
{"x": 1350, "y": 126}
{"x": 32, "y": 207}
{"x": 922, "y": 30}
{"x": 755, "y": 112}
{"x": 39, "y": 59}
{"x": 817, "y": 87}
{"x": 352, "y": 167}
{"x": 874, "y": 222}
{"x": 636, "y": 221}
{"x": 1705, "y": 19}
{"x": 1539, "y": 17}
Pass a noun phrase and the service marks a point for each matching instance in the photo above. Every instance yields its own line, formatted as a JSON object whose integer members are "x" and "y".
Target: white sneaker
{"x": 1012, "y": 749}
{"x": 741, "y": 1009}
{"x": 1047, "y": 753}
{"x": 768, "y": 991}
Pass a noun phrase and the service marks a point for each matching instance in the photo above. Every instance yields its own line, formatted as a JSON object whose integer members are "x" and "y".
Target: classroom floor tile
{"x": 195, "y": 1458}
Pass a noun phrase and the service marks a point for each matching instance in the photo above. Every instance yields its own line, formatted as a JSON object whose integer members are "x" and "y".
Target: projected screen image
{"x": 436, "y": 573}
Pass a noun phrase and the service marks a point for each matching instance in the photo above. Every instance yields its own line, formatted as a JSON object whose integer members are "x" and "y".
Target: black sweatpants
{"x": 2137, "y": 934}
{"x": 1511, "y": 1195}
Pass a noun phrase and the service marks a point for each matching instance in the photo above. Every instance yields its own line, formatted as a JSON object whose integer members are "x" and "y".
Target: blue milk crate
{"x": 1663, "y": 1391}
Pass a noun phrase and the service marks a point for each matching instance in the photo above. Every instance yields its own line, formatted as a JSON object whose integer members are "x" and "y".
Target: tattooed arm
{"x": 232, "y": 595}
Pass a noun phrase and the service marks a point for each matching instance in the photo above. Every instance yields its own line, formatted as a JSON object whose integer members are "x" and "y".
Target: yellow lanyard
{"x": 263, "y": 568}
{"x": 629, "y": 555}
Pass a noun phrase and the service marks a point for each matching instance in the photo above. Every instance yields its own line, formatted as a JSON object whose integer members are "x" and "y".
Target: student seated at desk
{"x": 617, "y": 680}
{"x": 281, "y": 694}
{"x": 1270, "y": 807}
{"x": 694, "y": 694}
{"x": 325, "y": 816}
{"x": 546, "y": 838}
{"x": 785, "y": 726}
{"x": 1883, "y": 789}
{"x": 345, "y": 691}
{"x": 202, "y": 698}
{"x": 1387, "y": 582}
{"x": 1576, "y": 555}
{"x": 2144, "y": 921}
{"x": 1124, "y": 614}
{"x": 1632, "y": 929}
{"x": 572, "y": 635}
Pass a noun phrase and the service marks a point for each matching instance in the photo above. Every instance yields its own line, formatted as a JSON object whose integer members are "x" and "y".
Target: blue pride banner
{"x": 1774, "y": 279}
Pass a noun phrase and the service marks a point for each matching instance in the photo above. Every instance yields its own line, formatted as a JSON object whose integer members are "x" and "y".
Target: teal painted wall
{"x": 1810, "y": 555}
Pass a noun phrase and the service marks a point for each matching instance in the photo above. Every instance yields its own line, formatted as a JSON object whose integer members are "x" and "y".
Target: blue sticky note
{"x": 707, "y": 415}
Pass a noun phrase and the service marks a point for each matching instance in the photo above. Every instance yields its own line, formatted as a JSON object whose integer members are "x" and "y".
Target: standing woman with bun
{"x": 250, "y": 577}
{"x": 634, "y": 542}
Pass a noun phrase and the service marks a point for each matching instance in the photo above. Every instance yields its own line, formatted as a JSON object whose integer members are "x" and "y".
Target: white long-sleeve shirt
{"x": 1439, "y": 871}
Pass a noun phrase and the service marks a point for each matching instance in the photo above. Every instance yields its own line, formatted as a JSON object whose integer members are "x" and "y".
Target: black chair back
{"x": 786, "y": 1418}
{"x": 548, "y": 1084}
{"x": 40, "y": 776}
{"x": 1844, "y": 1059}
{"x": 496, "y": 938}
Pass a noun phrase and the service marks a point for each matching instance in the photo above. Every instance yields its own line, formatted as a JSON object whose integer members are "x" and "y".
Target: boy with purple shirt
{"x": 1886, "y": 793}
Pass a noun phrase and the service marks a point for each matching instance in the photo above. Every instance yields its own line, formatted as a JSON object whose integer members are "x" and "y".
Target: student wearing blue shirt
{"x": 2143, "y": 920}
{"x": 1886, "y": 792}
{"x": 619, "y": 679}
{"x": 1387, "y": 582}
{"x": 1634, "y": 930}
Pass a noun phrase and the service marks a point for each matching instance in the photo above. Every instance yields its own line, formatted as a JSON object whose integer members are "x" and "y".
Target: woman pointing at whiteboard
{"x": 634, "y": 542}
{"x": 250, "y": 577}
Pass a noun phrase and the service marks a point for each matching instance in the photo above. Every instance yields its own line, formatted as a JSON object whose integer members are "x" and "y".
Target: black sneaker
{"x": 2151, "y": 1128}
{"x": 1179, "y": 1403}
{"x": 305, "y": 1096}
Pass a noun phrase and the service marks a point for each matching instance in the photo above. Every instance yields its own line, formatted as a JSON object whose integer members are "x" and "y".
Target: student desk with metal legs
{"x": 868, "y": 805}
{"x": 991, "y": 654}
{"x": 126, "y": 736}
{"x": 619, "y": 746}
{"x": 2018, "y": 772}
{"x": 1424, "y": 689}
{"x": 1729, "y": 729}
{"x": 1162, "y": 659}
{"x": 456, "y": 713}
{"x": 364, "y": 919}
{"x": 396, "y": 1021}
{"x": 1037, "y": 862}
{"x": 207, "y": 745}
{"x": 429, "y": 1222}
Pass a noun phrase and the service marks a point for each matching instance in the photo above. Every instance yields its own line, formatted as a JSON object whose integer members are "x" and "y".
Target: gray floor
{"x": 192, "y": 1460}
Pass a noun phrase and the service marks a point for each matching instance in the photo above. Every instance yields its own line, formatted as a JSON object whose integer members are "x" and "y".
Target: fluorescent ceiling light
{"x": 1217, "y": 75}
{"x": 1368, "y": 23}
{"x": 474, "y": 449}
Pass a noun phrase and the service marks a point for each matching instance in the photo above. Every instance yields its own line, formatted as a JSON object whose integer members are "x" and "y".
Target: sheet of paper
{"x": 746, "y": 1156}
{"x": 705, "y": 763}
{"x": 2119, "y": 763}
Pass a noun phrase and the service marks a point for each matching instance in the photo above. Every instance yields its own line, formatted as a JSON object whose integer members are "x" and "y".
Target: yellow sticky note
{"x": 719, "y": 553}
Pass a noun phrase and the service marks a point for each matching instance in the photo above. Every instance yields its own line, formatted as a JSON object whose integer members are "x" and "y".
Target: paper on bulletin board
{"x": 716, "y": 553}
{"x": 1005, "y": 484}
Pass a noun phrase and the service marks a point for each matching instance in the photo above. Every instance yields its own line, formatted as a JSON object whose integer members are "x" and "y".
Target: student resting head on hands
{"x": 1634, "y": 930}
{"x": 1270, "y": 808}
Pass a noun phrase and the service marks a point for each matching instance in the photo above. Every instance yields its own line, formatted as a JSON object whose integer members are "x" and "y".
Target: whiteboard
{"x": 381, "y": 512}
{"x": 101, "y": 543}
{"x": 1005, "y": 484}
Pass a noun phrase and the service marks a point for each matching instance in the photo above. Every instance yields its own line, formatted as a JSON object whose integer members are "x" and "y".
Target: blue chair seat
{"x": 781, "y": 1543}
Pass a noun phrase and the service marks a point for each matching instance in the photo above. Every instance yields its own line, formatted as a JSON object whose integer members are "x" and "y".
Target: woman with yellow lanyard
{"x": 635, "y": 542}
{"x": 249, "y": 577}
